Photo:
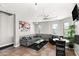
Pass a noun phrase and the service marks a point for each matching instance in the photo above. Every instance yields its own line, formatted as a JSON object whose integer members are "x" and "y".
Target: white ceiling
{"x": 26, "y": 10}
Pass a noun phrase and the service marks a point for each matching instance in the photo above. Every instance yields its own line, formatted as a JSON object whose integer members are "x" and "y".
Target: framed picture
{"x": 24, "y": 26}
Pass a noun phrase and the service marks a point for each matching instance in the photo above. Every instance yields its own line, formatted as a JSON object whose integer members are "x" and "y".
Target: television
{"x": 75, "y": 13}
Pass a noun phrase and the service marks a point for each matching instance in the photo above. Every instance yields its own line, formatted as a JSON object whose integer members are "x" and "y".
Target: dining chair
{"x": 60, "y": 48}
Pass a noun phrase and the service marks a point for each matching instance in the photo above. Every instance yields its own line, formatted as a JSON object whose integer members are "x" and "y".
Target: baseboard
{"x": 16, "y": 45}
{"x": 6, "y": 46}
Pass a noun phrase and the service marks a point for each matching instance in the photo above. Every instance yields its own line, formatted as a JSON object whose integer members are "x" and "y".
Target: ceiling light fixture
{"x": 44, "y": 15}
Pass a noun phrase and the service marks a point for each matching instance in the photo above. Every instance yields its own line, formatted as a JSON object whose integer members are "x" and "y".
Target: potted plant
{"x": 71, "y": 35}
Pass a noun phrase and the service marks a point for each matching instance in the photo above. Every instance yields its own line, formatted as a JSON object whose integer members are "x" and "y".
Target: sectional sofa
{"x": 30, "y": 39}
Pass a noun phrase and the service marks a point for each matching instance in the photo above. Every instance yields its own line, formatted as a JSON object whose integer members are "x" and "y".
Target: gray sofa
{"x": 31, "y": 39}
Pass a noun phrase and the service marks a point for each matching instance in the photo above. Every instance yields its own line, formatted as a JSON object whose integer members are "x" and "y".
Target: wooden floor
{"x": 47, "y": 50}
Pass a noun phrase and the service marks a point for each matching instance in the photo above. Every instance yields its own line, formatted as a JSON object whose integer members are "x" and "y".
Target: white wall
{"x": 6, "y": 29}
{"x": 77, "y": 27}
{"x": 44, "y": 28}
{"x": 77, "y": 33}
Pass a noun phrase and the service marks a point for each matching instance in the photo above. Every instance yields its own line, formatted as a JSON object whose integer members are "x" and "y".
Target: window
{"x": 66, "y": 26}
{"x": 54, "y": 28}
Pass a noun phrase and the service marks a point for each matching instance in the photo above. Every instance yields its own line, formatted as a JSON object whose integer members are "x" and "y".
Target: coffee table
{"x": 38, "y": 44}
